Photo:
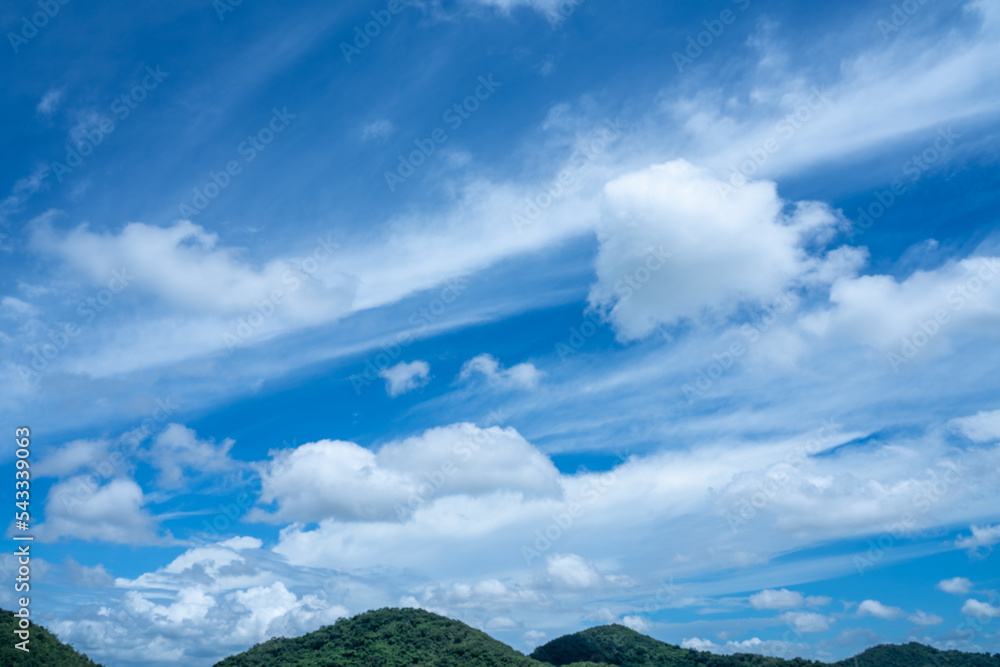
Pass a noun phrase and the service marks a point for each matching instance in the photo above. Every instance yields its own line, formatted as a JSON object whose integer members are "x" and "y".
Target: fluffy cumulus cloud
{"x": 955, "y": 585}
{"x": 906, "y": 316}
{"x": 637, "y": 623}
{"x": 405, "y": 377}
{"x": 982, "y": 539}
{"x": 980, "y": 610}
{"x": 113, "y": 512}
{"x": 343, "y": 480}
{"x": 879, "y": 610}
{"x": 220, "y": 597}
{"x": 487, "y": 367}
{"x": 674, "y": 247}
{"x": 772, "y": 647}
{"x": 572, "y": 571}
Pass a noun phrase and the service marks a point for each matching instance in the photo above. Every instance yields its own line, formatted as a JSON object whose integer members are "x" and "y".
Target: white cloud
{"x": 980, "y": 610}
{"x": 72, "y": 457}
{"x": 184, "y": 266}
{"x": 927, "y": 306}
{"x": 982, "y": 539}
{"x": 378, "y": 130}
{"x": 772, "y": 647}
{"x": 924, "y": 619}
{"x": 533, "y": 638}
{"x": 879, "y": 610}
{"x": 222, "y": 598}
{"x": 23, "y": 189}
{"x": 501, "y": 623}
{"x": 673, "y": 248}
{"x": 955, "y": 585}
{"x": 521, "y": 376}
{"x": 205, "y": 298}
{"x": 806, "y": 621}
{"x": 554, "y": 11}
{"x": 637, "y": 623}
{"x": 50, "y": 102}
{"x": 179, "y": 455}
{"x": 14, "y": 307}
{"x": 980, "y": 427}
{"x": 572, "y": 571}
{"x": 343, "y": 479}
{"x": 404, "y": 377}
{"x": 780, "y": 599}
{"x": 109, "y": 513}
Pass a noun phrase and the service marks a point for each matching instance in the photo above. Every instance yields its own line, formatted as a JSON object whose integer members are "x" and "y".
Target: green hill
{"x": 387, "y": 638}
{"x": 620, "y": 646}
{"x": 46, "y": 650}
{"x": 412, "y": 637}
{"x": 918, "y": 655}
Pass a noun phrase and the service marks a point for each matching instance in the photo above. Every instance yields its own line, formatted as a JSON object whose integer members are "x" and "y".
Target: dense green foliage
{"x": 398, "y": 637}
{"x": 416, "y": 638}
{"x": 386, "y": 638}
{"x": 617, "y": 645}
{"x": 918, "y": 655}
{"x": 45, "y": 649}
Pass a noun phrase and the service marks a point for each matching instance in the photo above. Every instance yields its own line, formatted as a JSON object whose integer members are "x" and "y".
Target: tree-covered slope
{"x": 618, "y": 645}
{"x": 45, "y": 649}
{"x": 386, "y": 638}
{"x": 412, "y": 637}
{"x": 918, "y": 655}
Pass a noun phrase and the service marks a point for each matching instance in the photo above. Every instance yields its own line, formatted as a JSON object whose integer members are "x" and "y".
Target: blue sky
{"x": 538, "y": 314}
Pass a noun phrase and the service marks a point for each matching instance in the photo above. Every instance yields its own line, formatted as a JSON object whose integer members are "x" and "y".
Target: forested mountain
{"x": 404, "y": 637}
{"x": 413, "y": 637}
{"x": 44, "y": 649}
